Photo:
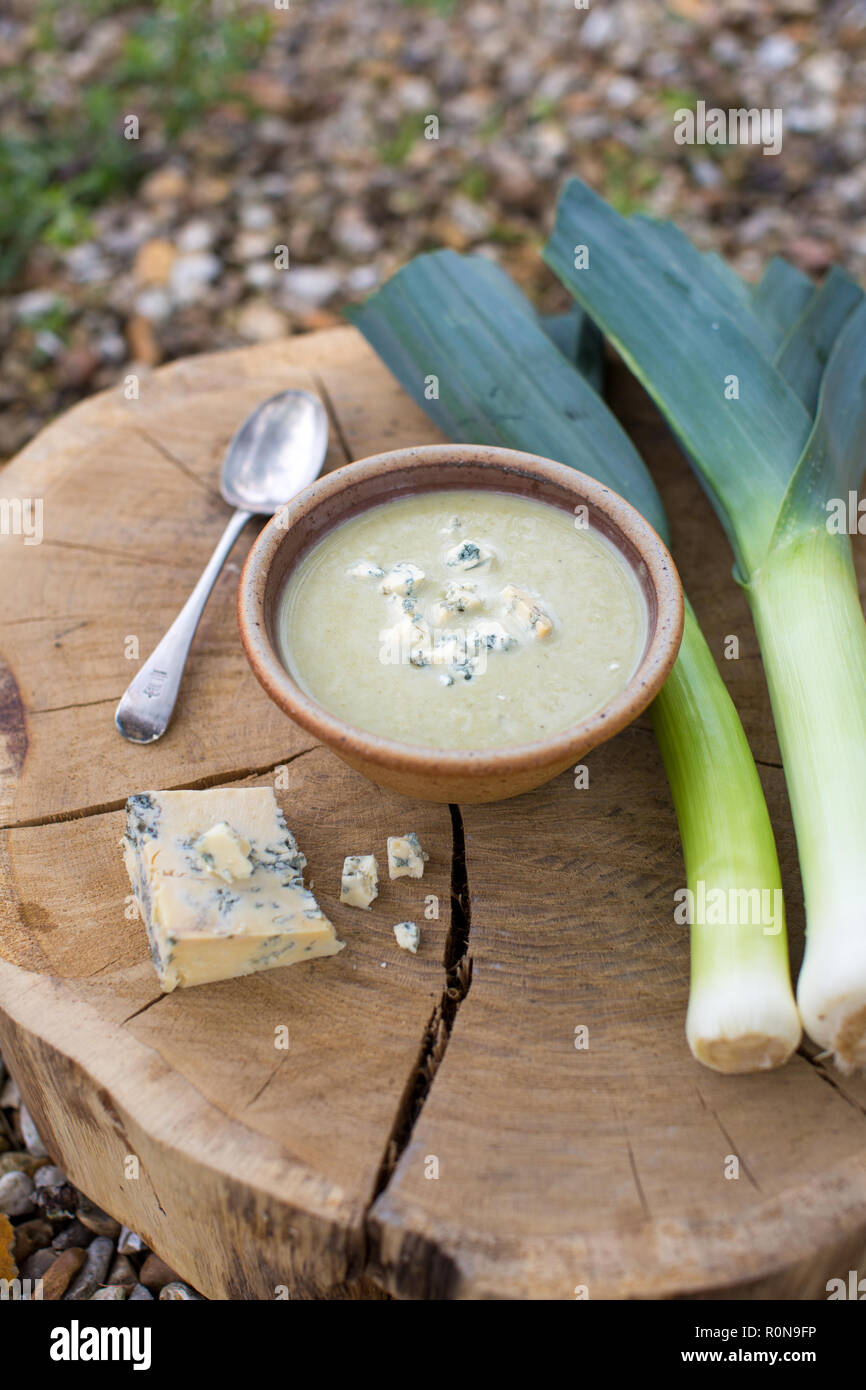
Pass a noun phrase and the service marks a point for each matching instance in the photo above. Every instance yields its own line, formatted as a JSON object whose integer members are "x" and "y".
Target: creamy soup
{"x": 462, "y": 619}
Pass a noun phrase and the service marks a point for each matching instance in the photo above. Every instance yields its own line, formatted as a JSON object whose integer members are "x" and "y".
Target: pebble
{"x": 154, "y": 1273}
{"x": 261, "y": 275}
{"x": 153, "y": 304}
{"x": 94, "y": 1269}
{"x": 73, "y": 1234}
{"x": 622, "y": 91}
{"x": 62, "y": 1270}
{"x": 16, "y": 1194}
{"x": 258, "y": 322}
{"x": 599, "y": 28}
{"x": 824, "y": 73}
{"x": 111, "y": 1293}
{"x": 164, "y": 185}
{"x": 33, "y": 305}
{"x": 31, "y": 1235}
{"x": 143, "y": 344}
{"x": 178, "y": 1290}
{"x": 811, "y": 120}
{"x": 256, "y": 217}
{"x": 123, "y": 1272}
{"x": 354, "y": 234}
{"x": 74, "y": 370}
{"x": 140, "y": 1294}
{"x": 111, "y": 347}
{"x": 97, "y": 1220}
{"x": 810, "y": 254}
{"x": 191, "y": 274}
{"x": 254, "y": 246}
{"x": 196, "y": 235}
{"x": 775, "y": 52}
{"x": 49, "y": 344}
{"x": 514, "y": 180}
{"x": 128, "y": 1243}
{"x": 87, "y": 264}
{"x": 35, "y": 1266}
{"x": 361, "y": 279}
{"x": 312, "y": 284}
{"x": 16, "y": 1162}
{"x": 154, "y": 261}
{"x": 55, "y": 1196}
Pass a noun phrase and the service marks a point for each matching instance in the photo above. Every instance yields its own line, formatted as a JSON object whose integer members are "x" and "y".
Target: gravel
{"x": 330, "y": 158}
{"x": 59, "y": 1235}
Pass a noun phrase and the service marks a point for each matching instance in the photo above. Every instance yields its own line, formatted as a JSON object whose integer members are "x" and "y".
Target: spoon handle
{"x": 145, "y": 711}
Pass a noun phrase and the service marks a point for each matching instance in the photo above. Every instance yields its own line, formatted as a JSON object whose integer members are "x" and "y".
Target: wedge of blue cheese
{"x": 218, "y": 878}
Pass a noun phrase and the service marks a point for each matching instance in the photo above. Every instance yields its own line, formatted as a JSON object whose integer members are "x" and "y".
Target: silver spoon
{"x": 277, "y": 451}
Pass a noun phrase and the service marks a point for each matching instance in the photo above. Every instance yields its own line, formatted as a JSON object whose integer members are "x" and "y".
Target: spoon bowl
{"x": 278, "y": 450}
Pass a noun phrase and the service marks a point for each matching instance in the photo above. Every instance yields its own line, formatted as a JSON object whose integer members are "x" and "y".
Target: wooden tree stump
{"x": 432, "y": 1131}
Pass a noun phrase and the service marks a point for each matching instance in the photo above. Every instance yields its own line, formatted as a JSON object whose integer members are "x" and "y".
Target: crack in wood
{"x": 734, "y": 1152}
{"x": 814, "y": 1061}
{"x": 143, "y": 1010}
{"x": 335, "y": 419}
{"x": 177, "y": 463}
{"x": 76, "y": 704}
{"x": 637, "y": 1182}
{"x": 129, "y": 557}
{"x": 457, "y": 964}
{"x": 214, "y": 779}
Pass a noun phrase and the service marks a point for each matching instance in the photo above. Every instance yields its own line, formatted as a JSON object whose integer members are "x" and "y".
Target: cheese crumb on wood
{"x": 360, "y": 880}
{"x": 406, "y": 858}
{"x": 209, "y": 921}
{"x": 408, "y": 936}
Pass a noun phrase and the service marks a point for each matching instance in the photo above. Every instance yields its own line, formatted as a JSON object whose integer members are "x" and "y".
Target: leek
{"x": 468, "y": 347}
{"x": 774, "y": 423}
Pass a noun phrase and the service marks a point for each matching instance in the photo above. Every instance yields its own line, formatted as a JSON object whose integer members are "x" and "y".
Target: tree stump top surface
{"x": 432, "y": 1130}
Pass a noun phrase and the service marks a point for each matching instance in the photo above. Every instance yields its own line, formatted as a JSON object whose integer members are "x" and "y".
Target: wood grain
{"x": 314, "y": 1170}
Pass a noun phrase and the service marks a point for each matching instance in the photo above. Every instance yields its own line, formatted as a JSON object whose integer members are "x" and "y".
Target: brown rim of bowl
{"x": 624, "y": 523}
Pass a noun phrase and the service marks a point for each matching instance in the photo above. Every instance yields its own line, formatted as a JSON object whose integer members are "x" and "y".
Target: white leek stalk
{"x": 741, "y": 1016}
{"x": 813, "y": 642}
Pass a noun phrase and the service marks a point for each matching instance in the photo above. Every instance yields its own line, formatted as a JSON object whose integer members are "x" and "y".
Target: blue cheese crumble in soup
{"x": 462, "y": 619}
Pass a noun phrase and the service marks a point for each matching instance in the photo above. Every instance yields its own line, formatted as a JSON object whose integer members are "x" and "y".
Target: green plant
{"x": 176, "y": 62}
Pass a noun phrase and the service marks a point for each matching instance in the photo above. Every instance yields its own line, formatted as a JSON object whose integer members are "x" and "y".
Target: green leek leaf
{"x": 780, "y": 297}
{"x": 436, "y": 311}
{"x": 803, "y": 353}
{"x": 691, "y": 356}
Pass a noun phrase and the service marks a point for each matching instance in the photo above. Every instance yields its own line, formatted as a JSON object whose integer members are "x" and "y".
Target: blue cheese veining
{"x": 462, "y": 619}
{"x": 218, "y": 878}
